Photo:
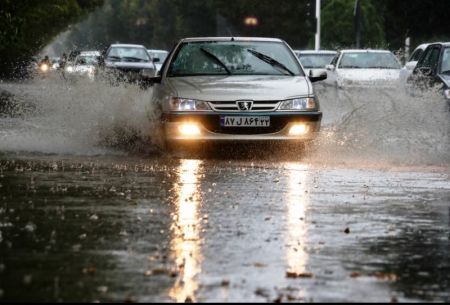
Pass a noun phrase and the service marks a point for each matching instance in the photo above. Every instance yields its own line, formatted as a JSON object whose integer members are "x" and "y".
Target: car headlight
{"x": 44, "y": 67}
{"x": 447, "y": 93}
{"x": 307, "y": 103}
{"x": 69, "y": 69}
{"x": 182, "y": 104}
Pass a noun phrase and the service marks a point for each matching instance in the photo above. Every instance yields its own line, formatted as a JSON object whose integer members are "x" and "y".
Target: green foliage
{"x": 26, "y": 26}
{"x": 160, "y": 23}
{"x": 422, "y": 20}
{"x": 338, "y": 24}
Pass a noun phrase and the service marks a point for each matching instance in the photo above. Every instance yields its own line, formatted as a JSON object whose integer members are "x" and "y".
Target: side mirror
{"x": 329, "y": 67}
{"x": 317, "y": 75}
{"x": 426, "y": 71}
{"x": 147, "y": 81}
{"x": 156, "y": 59}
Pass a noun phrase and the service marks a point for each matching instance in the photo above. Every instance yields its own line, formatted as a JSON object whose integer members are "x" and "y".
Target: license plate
{"x": 245, "y": 121}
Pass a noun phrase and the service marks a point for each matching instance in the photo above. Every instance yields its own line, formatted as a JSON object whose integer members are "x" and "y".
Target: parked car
{"x": 158, "y": 57}
{"x": 432, "y": 71}
{"x": 311, "y": 59}
{"x": 412, "y": 62}
{"x": 236, "y": 90}
{"x": 84, "y": 65}
{"x": 128, "y": 62}
{"x": 364, "y": 68}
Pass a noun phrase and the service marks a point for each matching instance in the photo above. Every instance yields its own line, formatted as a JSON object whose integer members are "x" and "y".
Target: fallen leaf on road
{"x": 355, "y": 274}
{"x": 295, "y": 275}
{"x": 391, "y": 277}
{"x": 89, "y": 270}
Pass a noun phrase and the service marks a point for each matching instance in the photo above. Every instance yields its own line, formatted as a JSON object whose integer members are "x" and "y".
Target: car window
{"x": 128, "y": 54}
{"x": 161, "y": 55}
{"x": 314, "y": 61}
{"x": 369, "y": 60}
{"x": 430, "y": 58}
{"x": 86, "y": 60}
{"x": 416, "y": 55}
{"x": 192, "y": 58}
{"x": 445, "y": 65}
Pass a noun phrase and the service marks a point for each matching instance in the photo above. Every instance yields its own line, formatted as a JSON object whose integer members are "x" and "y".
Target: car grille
{"x": 258, "y": 106}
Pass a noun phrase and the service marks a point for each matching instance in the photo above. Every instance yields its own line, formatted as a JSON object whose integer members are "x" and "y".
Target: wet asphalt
{"x": 126, "y": 229}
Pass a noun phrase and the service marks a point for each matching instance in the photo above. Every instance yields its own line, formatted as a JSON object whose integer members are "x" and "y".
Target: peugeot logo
{"x": 245, "y": 105}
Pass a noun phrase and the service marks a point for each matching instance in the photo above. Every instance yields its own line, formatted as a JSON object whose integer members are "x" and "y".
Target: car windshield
{"x": 314, "y": 61}
{"x": 159, "y": 54}
{"x": 369, "y": 60}
{"x": 234, "y": 57}
{"x": 86, "y": 60}
{"x": 445, "y": 67}
{"x": 127, "y": 54}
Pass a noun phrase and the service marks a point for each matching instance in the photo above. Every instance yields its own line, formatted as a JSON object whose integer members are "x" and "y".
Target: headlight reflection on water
{"x": 185, "y": 245}
{"x": 298, "y": 202}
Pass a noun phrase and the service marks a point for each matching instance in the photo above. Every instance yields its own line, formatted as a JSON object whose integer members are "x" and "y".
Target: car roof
{"x": 124, "y": 45}
{"x": 315, "y": 52}
{"x": 95, "y": 53}
{"x": 445, "y": 44}
{"x": 423, "y": 46}
{"x": 200, "y": 39}
{"x": 161, "y": 51}
{"x": 365, "y": 51}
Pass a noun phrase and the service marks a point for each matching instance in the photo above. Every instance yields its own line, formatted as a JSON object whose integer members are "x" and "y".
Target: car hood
{"x": 130, "y": 65}
{"x": 230, "y": 88}
{"x": 367, "y": 75}
{"x": 83, "y": 68}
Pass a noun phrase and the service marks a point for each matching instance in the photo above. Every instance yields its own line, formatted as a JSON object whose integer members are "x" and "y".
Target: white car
{"x": 407, "y": 70}
{"x": 84, "y": 65}
{"x": 158, "y": 57}
{"x": 364, "y": 68}
{"x": 311, "y": 59}
{"x": 233, "y": 89}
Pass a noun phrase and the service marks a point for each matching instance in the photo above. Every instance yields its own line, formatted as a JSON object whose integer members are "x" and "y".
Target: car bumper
{"x": 209, "y": 129}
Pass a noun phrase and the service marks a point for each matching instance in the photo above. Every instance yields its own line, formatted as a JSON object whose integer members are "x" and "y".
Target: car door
{"x": 424, "y": 75}
{"x": 331, "y": 71}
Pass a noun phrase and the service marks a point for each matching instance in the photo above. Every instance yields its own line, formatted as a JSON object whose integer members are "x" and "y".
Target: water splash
{"x": 383, "y": 125}
{"x": 369, "y": 126}
{"x": 79, "y": 117}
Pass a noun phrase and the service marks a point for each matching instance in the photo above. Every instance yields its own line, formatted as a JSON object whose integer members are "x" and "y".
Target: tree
{"x": 27, "y": 26}
{"x": 338, "y": 24}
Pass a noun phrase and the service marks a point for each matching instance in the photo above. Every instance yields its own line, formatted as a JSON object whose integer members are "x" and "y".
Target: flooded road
{"x": 90, "y": 212}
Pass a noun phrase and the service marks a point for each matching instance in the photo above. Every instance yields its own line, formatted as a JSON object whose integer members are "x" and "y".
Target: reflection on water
{"x": 185, "y": 245}
{"x": 298, "y": 201}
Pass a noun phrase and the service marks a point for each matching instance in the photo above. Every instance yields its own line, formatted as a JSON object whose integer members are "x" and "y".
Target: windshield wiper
{"x": 270, "y": 61}
{"x": 114, "y": 57}
{"x": 445, "y": 72}
{"x": 136, "y": 59}
{"x": 217, "y": 60}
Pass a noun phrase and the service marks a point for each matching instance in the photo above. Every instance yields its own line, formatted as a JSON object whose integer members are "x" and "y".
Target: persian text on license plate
{"x": 245, "y": 121}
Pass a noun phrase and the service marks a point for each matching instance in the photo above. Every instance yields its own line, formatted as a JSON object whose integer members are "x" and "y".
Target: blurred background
{"x": 51, "y": 27}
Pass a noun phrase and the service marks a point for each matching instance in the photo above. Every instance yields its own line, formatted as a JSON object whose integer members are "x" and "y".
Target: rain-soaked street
{"x": 91, "y": 211}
